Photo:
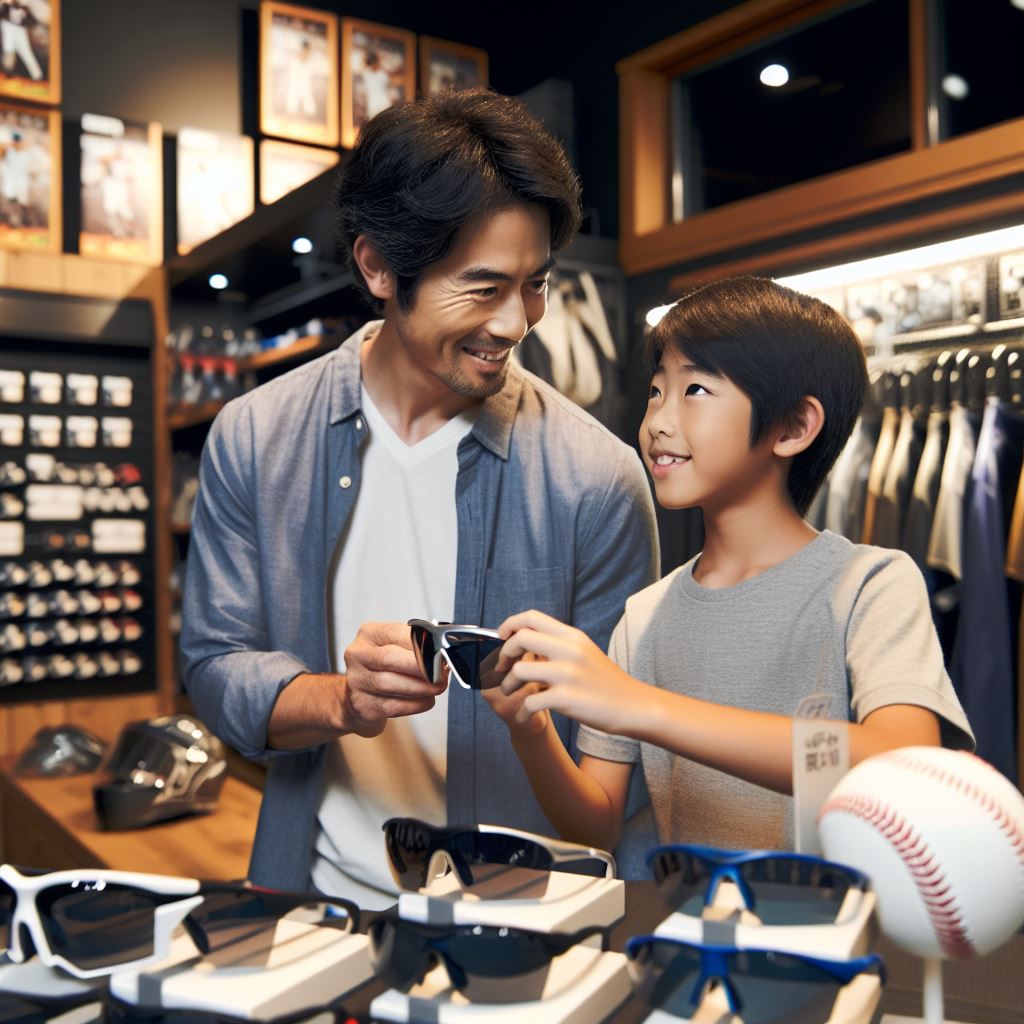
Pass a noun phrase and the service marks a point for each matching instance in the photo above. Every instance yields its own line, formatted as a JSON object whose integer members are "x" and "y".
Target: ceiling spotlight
{"x": 654, "y": 316}
{"x": 1019, "y": 4}
{"x": 774, "y": 75}
{"x": 955, "y": 87}
{"x": 302, "y": 245}
{"x": 218, "y": 281}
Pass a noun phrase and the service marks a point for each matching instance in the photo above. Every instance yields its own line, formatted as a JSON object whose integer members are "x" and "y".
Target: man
{"x": 415, "y": 472}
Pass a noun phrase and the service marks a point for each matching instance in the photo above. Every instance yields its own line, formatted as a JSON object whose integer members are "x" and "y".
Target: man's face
{"x": 473, "y": 307}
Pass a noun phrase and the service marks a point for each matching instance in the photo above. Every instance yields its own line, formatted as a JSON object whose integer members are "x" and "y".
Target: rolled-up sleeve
{"x": 229, "y": 670}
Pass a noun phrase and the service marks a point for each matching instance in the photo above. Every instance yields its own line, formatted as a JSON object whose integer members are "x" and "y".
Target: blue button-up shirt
{"x": 553, "y": 513}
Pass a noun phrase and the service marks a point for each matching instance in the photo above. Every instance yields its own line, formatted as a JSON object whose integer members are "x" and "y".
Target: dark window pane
{"x": 980, "y": 79}
{"x": 846, "y": 103}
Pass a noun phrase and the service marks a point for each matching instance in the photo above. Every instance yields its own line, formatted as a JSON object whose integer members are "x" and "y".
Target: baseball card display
{"x": 30, "y": 50}
{"x": 216, "y": 184}
{"x": 30, "y": 179}
{"x": 445, "y": 65}
{"x": 122, "y": 190}
{"x": 298, "y": 73}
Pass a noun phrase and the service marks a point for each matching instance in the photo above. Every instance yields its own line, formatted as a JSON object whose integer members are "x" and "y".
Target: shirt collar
{"x": 493, "y": 428}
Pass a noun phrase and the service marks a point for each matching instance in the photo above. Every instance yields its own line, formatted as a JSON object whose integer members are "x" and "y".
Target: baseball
{"x": 940, "y": 833}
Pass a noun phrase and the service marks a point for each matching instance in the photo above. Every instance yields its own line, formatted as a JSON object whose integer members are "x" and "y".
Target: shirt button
{"x": 359, "y": 423}
{"x": 345, "y": 482}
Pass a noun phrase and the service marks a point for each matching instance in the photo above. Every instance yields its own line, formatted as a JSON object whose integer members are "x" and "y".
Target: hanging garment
{"x": 983, "y": 669}
{"x": 848, "y": 482}
{"x": 945, "y": 542}
{"x": 917, "y": 527}
{"x": 879, "y": 466}
{"x": 894, "y": 497}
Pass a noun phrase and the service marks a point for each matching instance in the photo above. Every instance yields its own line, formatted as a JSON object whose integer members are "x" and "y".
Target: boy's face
{"x": 473, "y": 307}
{"x": 695, "y": 438}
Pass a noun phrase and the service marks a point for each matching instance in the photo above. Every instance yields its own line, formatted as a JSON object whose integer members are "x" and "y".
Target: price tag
{"x": 821, "y": 757}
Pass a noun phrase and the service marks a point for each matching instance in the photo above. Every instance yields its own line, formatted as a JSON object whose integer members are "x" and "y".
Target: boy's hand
{"x": 575, "y": 676}
{"x": 522, "y": 724}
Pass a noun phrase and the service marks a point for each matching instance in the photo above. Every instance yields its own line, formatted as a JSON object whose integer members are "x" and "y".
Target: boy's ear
{"x": 377, "y": 274}
{"x": 801, "y": 428}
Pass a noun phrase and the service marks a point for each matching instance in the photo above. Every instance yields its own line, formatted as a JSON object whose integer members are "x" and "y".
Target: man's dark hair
{"x": 421, "y": 170}
{"x": 777, "y": 346}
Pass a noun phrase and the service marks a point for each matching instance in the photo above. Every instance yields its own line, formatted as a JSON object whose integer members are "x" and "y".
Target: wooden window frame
{"x": 651, "y": 240}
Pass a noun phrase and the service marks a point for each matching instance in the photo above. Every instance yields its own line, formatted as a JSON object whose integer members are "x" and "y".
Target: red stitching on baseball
{"x": 995, "y": 810}
{"x": 942, "y": 911}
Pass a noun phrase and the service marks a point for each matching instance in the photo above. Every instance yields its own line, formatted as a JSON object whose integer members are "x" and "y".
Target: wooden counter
{"x": 50, "y": 823}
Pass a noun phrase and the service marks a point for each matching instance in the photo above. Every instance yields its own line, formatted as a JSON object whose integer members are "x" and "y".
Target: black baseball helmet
{"x": 158, "y": 769}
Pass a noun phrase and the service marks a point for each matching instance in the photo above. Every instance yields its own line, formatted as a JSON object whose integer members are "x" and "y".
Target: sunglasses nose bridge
{"x": 452, "y": 670}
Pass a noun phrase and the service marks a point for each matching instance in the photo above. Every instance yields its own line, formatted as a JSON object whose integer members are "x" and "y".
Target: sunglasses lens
{"x": 474, "y": 659}
{"x": 665, "y": 975}
{"x": 776, "y": 987}
{"x": 682, "y": 880}
{"x": 230, "y": 917}
{"x": 7, "y": 899}
{"x": 791, "y": 891}
{"x": 493, "y": 848}
{"x": 409, "y": 844}
{"x": 94, "y": 925}
{"x": 400, "y": 955}
{"x": 497, "y": 952}
{"x": 423, "y": 647}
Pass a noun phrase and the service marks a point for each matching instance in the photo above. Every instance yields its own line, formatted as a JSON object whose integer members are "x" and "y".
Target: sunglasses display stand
{"x": 579, "y": 987}
{"x": 296, "y": 966}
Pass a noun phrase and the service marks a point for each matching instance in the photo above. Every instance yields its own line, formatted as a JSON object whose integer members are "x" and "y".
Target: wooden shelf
{"x": 304, "y": 348}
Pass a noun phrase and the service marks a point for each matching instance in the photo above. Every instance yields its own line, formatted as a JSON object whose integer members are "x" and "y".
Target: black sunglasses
{"x": 760, "y": 985}
{"x": 780, "y": 888}
{"x": 403, "y": 952}
{"x": 115, "y": 1011}
{"x": 412, "y": 846}
{"x": 471, "y": 652}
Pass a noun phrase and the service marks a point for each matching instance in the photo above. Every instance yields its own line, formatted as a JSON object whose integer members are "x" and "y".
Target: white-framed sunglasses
{"x": 97, "y": 922}
{"x": 471, "y": 652}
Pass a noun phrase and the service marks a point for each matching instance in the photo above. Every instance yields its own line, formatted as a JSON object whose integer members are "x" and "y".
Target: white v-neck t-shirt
{"x": 395, "y": 561}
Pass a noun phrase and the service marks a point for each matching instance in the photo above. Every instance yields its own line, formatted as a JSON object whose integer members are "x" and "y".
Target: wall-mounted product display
{"x": 378, "y": 70}
{"x": 121, "y": 190}
{"x": 216, "y": 184}
{"x": 298, "y": 73}
{"x": 30, "y": 50}
{"x": 30, "y": 179}
{"x": 76, "y": 562}
{"x": 285, "y": 166}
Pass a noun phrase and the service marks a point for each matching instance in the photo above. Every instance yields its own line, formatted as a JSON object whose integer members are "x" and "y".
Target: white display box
{"x": 33, "y": 978}
{"x": 581, "y": 986}
{"x": 856, "y": 1003}
{"x": 727, "y": 923}
{"x": 297, "y": 965}
{"x": 542, "y": 901}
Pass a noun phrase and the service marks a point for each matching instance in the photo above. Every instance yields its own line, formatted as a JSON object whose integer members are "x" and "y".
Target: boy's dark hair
{"x": 777, "y": 346}
{"x": 421, "y": 170}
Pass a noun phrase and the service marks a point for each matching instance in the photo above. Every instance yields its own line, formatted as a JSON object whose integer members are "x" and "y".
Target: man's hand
{"x": 567, "y": 672}
{"x": 383, "y": 679}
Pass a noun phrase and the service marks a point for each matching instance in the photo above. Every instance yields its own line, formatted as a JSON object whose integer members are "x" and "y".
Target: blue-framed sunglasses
{"x": 763, "y": 986}
{"x": 780, "y": 888}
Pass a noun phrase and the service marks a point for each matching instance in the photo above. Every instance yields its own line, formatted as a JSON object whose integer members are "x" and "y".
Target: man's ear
{"x": 377, "y": 274}
{"x": 801, "y": 428}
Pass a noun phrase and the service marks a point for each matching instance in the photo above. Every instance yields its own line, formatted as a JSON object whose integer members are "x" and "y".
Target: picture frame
{"x": 286, "y": 166}
{"x": 121, "y": 188}
{"x": 378, "y": 70}
{"x": 216, "y": 184}
{"x": 298, "y": 73}
{"x": 30, "y": 50}
{"x": 30, "y": 179}
{"x": 448, "y": 65}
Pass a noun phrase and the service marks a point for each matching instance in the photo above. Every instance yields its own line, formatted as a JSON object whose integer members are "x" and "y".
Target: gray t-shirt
{"x": 847, "y": 620}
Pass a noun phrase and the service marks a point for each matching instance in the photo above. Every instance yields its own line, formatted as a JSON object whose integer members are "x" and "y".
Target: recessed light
{"x": 774, "y": 75}
{"x": 218, "y": 281}
{"x": 302, "y": 245}
{"x": 956, "y": 87}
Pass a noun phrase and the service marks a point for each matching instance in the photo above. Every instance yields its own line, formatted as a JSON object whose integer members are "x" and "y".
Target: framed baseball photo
{"x": 378, "y": 70}
{"x": 285, "y": 167}
{"x": 30, "y": 50}
{"x": 445, "y": 65}
{"x": 298, "y": 73}
{"x": 121, "y": 190}
{"x": 30, "y": 211}
{"x": 216, "y": 184}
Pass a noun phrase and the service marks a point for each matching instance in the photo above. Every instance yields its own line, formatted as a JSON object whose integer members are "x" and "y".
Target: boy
{"x": 755, "y": 391}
